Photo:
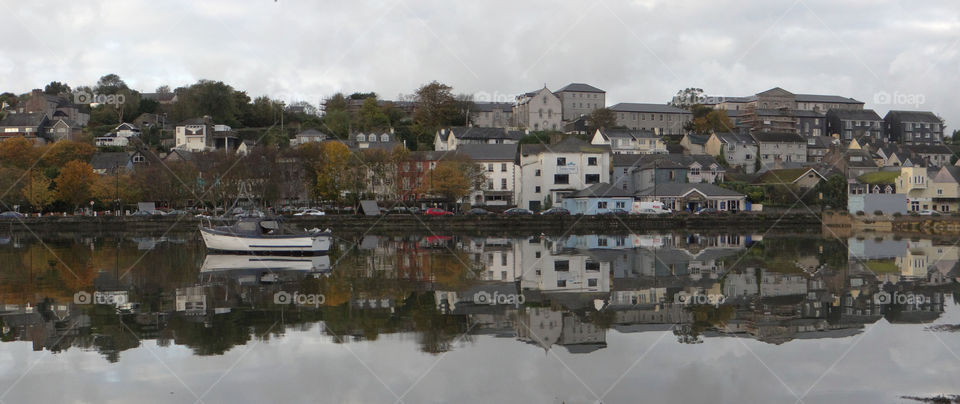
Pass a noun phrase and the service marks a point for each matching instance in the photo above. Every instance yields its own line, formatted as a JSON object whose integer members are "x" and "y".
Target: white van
{"x": 649, "y": 208}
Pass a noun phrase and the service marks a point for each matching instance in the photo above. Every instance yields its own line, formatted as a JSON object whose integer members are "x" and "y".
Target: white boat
{"x": 260, "y": 235}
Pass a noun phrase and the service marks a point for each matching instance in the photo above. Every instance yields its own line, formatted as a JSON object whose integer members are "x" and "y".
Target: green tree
{"x": 371, "y": 117}
{"x": 687, "y": 97}
{"x": 56, "y": 88}
{"x": 436, "y": 107}
{"x": 110, "y": 84}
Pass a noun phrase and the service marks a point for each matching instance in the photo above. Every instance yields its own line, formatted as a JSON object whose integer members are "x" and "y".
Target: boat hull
{"x": 255, "y": 264}
{"x": 301, "y": 244}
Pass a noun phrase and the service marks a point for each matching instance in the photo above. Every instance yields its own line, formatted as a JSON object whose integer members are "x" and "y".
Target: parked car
{"x": 518, "y": 212}
{"x": 478, "y": 212}
{"x": 707, "y": 211}
{"x": 652, "y": 211}
{"x": 615, "y": 212}
{"x": 147, "y": 213}
{"x": 310, "y": 212}
{"x": 437, "y": 212}
{"x": 176, "y": 212}
{"x": 928, "y": 212}
{"x": 555, "y": 211}
{"x": 10, "y": 213}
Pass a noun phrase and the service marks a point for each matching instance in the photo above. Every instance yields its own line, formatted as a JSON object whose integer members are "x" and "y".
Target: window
{"x": 601, "y": 205}
{"x": 591, "y": 161}
{"x": 561, "y": 283}
{"x": 561, "y": 161}
{"x": 538, "y": 254}
{"x": 490, "y": 185}
{"x": 592, "y": 282}
{"x": 536, "y": 189}
{"x": 561, "y": 179}
{"x": 503, "y": 183}
{"x": 503, "y": 167}
{"x": 561, "y": 266}
{"x": 361, "y": 138}
{"x": 536, "y": 173}
{"x": 621, "y": 205}
{"x": 489, "y": 168}
{"x": 671, "y": 175}
{"x": 592, "y": 178}
{"x": 695, "y": 171}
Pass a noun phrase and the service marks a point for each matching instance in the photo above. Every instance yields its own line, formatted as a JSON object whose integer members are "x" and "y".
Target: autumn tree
{"x": 453, "y": 179}
{"x": 18, "y": 152}
{"x": 118, "y": 188}
{"x": 64, "y": 151}
{"x": 707, "y": 120}
{"x": 333, "y": 177}
{"x": 75, "y": 183}
{"x": 38, "y": 191}
{"x": 11, "y": 182}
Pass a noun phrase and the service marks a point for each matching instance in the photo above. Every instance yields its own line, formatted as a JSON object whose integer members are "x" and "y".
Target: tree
{"x": 436, "y": 107}
{"x": 110, "y": 84}
{"x": 38, "y": 191}
{"x": 707, "y": 120}
{"x": 18, "y": 152}
{"x": 453, "y": 179}
{"x": 9, "y": 100}
{"x": 117, "y": 188}
{"x": 64, "y": 151}
{"x": 371, "y": 117}
{"x": 602, "y": 118}
{"x": 164, "y": 89}
{"x": 687, "y": 97}
{"x": 56, "y": 88}
{"x": 333, "y": 176}
{"x": 75, "y": 182}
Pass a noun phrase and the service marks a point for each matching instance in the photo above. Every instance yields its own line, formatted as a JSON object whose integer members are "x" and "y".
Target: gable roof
{"x": 628, "y": 133}
{"x": 735, "y": 137}
{"x": 23, "y": 119}
{"x": 914, "y": 116}
{"x": 685, "y": 189}
{"x": 776, "y": 92}
{"x": 580, "y": 87}
{"x": 778, "y": 137}
{"x": 489, "y": 151}
{"x": 832, "y": 99}
{"x": 475, "y": 132}
{"x": 645, "y": 161}
{"x": 859, "y": 115}
{"x": 653, "y": 108}
{"x": 697, "y": 139}
{"x": 109, "y": 160}
{"x": 569, "y": 144}
{"x": 601, "y": 190}
{"x": 784, "y": 176}
{"x": 491, "y": 106}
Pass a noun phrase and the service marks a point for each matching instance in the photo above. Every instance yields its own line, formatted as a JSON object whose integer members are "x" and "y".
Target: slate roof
{"x": 491, "y": 106}
{"x": 652, "y": 108}
{"x": 779, "y": 137}
{"x": 806, "y": 114}
{"x": 25, "y": 119}
{"x": 697, "y": 139}
{"x": 857, "y": 115}
{"x": 489, "y": 151}
{"x": 928, "y": 149}
{"x": 109, "y": 160}
{"x": 580, "y": 87}
{"x": 643, "y": 161}
{"x": 628, "y": 134}
{"x": 820, "y": 142}
{"x": 833, "y": 99}
{"x": 474, "y": 132}
{"x": 683, "y": 189}
{"x": 601, "y": 190}
{"x": 569, "y": 144}
{"x": 735, "y": 137}
{"x": 914, "y": 116}
{"x": 785, "y": 176}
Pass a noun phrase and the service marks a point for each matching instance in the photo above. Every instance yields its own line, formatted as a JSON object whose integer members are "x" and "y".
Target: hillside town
{"x": 200, "y": 147}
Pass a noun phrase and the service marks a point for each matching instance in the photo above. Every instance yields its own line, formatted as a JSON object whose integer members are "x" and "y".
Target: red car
{"x": 437, "y": 212}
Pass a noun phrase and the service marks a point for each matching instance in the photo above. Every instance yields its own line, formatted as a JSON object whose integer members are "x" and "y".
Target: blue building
{"x": 598, "y": 198}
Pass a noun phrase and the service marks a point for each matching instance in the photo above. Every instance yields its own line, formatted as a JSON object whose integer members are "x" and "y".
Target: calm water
{"x": 675, "y": 317}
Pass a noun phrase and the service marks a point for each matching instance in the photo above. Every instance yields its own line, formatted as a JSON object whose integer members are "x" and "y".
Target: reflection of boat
{"x": 256, "y": 234}
{"x": 253, "y": 263}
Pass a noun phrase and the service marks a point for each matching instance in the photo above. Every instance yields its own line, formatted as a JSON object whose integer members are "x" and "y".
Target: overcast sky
{"x": 889, "y": 54}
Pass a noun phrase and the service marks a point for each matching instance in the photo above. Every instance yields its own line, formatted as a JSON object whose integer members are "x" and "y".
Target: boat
{"x": 252, "y": 263}
{"x": 265, "y": 236}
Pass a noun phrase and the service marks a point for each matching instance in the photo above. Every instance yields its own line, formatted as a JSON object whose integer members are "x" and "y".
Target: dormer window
{"x": 361, "y": 138}
{"x": 384, "y": 137}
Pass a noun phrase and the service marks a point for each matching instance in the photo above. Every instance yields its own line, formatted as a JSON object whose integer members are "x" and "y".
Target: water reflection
{"x": 551, "y": 292}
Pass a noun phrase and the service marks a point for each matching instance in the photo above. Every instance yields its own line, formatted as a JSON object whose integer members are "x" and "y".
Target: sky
{"x": 889, "y": 54}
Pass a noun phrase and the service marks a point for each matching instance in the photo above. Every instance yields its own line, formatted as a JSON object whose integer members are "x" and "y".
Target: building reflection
{"x": 545, "y": 291}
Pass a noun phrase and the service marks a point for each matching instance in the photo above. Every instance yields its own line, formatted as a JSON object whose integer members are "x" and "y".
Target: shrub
{"x": 878, "y": 212}
{"x": 860, "y": 213}
{"x": 897, "y": 214}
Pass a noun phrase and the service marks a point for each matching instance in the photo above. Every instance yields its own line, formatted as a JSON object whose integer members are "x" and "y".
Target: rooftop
{"x": 581, "y": 88}
{"x": 652, "y": 108}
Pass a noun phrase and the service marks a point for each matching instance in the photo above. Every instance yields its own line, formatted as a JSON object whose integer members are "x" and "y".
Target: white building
{"x": 502, "y": 175}
{"x": 550, "y": 172}
{"x": 630, "y": 141}
{"x": 195, "y": 135}
{"x": 538, "y": 110}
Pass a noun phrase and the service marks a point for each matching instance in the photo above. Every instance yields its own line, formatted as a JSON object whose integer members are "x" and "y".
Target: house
{"x": 694, "y": 144}
{"x": 195, "y": 135}
{"x": 578, "y": 100}
{"x": 597, "y": 199}
{"x": 551, "y": 172}
{"x": 933, "y": 155}
{"x": 501, "y": 172}
{"x": 60, "y": 128}
{"x": 538, "y": 110}
{"x": 853, "y": 161}
{"x": 913, "y": 127}
{"x": 778, "y": 110}
{"x": 825, "y": 103}
{"x": 149, "y": 120}
{"x": 30, "y": 125}
{"x": 635, "y": 172}
{"x": 780, "y": 146}
{"x": 112, "y": 162}
{"x": 818, "y": 146}
{"x": 660, "y": 118}
{"x": 382, "y": 140}
{"x": 846, "y": 124}
{"x": 492, "y": 114}
{"x": 61, "y": 105}
{"x": 623, "y": 141}
{"x": 929, "y": 188}
{"x": 308, "y": 136}
{"x": 803, "y": 178}
{"x": 738, "y": 149}
{"x": 693, "y": 197}
{"x": 120, "y": 136}
{"x": 414, "y": 172}
{"x": 810, "y": 123}
{"x": 454, "y": 137}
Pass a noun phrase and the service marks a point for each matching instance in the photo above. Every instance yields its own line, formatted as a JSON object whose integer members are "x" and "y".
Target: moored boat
{"x": 265, "y": 236}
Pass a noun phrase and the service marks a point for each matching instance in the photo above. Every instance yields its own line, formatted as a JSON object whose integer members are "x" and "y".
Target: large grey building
{"x": 851, "y": 124}
{"x": 913, "y": 127}
{"x": 580, "y": 99}
{"x": 662, "y": 119}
